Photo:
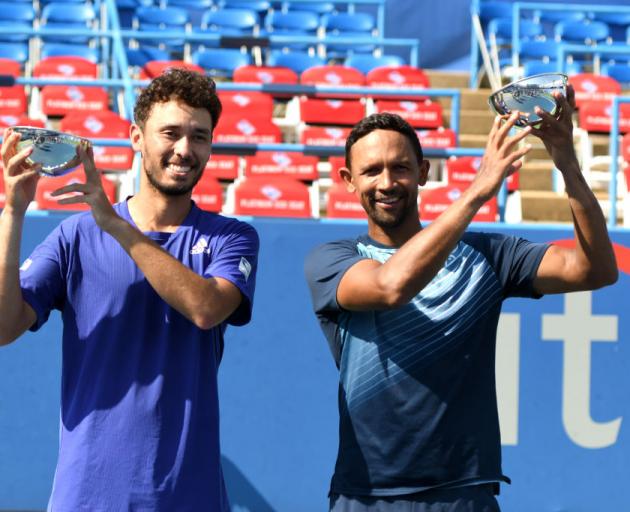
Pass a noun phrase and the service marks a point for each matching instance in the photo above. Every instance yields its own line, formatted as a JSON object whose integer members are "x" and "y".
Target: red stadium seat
{"x": 272, "y": 197}
{"x": 589, "y": 87}
{"x": 265, "y": 75}
{"x": 386, "y": 77}
{"x": 397, "y": 76}
{"x": 208, "y": 194}
{"x": 343, "y": 204}
{"x": 435, "y": 201}
{"x": 331, "y": 111}
{"x": 102, "y": 125}
{"x": 155, "y": 68}
{"x": 65, "y": 67}
{"x": 282, "y": 164}
{"x": 625, "y": 147}
{"x": 60, "y": 100}
{"x": 425, "y": 114}
{"x": 247, "y": 103}
{"x": 22, "y": 120}
{"x": 333, "y": 75}
{"x": 440, "y": 138}
{"x": 324, "y": 136}
{"x": 13, "y": 100}
{"x": 462, "y": 171}
{"x": 336, "y": 163}
{"x": 237, "y": 129}
{"x": 46, "y": 186}
{"x": 596, "y": 116}
{"x": 222, "y": 167}
{"x": 10, "y": 67}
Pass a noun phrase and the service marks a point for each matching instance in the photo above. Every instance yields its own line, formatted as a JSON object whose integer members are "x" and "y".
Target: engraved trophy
{"x": 528, "y": 93}
{"x": 55, "y": 151}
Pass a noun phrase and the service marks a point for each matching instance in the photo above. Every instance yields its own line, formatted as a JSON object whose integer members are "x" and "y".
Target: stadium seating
{"x": 282, "y": 164}
{"x": 16, "y": 15}
{"x": 103, "y": 125}
{"x": 220, "y": 62}
{"x": 433, "y": 202}
{"x": 46, "y": 186}
{"x": 366, "y": 62}
{"x": 271, "y": 197}
{"x": 208, "y": 194}
{"x": 341, "y": 204}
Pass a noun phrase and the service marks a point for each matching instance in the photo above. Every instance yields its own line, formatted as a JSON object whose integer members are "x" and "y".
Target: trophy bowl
{"x": 528, "y": 93}
{"x": 55, "y": 151}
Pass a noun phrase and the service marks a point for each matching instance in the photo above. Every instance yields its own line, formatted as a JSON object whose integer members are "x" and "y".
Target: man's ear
{"x": 424, "y": 173}
{"x": 346, "y": 176}
{"x": 136, "y": 137}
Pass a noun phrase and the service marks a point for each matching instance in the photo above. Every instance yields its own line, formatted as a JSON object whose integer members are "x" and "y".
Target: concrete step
{"x": 545, "y": 206}
{"x": 536, "y": 175}
{"x": 475, "y": 122}
{"x": 448, "y": 79}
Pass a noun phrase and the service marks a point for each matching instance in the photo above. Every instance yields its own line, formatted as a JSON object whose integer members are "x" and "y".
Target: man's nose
{"x": 386, "y": 180}
{"x": 182, "y": 146}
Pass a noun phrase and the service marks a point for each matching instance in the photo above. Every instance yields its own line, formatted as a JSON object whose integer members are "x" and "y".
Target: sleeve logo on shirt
{"x": 27, "y": 263}
{"x": 245, "y": 267}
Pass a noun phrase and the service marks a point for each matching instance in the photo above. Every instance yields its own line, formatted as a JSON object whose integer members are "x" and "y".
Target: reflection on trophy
{"x": 528, "y": 93}
{"x": 55, "y": 151}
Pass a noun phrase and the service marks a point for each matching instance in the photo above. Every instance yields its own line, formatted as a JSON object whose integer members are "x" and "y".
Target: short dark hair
{"x": 191, "y": 87}
{"x": 383, "y": 121}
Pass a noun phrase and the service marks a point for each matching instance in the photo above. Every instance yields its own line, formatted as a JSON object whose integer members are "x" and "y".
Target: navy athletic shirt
{"x": 139, "y": 405}
{"x": 417, "y": 399}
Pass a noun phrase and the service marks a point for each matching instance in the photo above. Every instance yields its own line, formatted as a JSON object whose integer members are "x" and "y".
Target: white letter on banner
{"x": 507, "y": 366}
{"x": 578, "y": 328}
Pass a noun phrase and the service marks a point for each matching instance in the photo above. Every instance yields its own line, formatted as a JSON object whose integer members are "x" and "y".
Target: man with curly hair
{"x": 146, "y": 288}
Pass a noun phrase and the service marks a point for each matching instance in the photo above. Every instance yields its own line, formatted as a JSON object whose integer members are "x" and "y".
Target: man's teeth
{"x": 178, "y": 168}
{"x": 388, "y": 200}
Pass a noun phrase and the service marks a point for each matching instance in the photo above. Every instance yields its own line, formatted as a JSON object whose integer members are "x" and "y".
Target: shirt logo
{"x": 245, "y": 267}
{"x": 200, "y": 246}
{"x": 27, "y": 263}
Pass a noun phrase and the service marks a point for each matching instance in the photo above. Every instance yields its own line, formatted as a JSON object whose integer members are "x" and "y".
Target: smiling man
{"x": 146, "y": 289}
{"x": 410, "y": 313}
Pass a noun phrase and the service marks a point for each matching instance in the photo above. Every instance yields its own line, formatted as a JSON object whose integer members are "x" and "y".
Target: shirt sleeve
{"x": 324, "y": 268}
{"x": 236, "y": 260}
{"x": 42, "y": 276}
{"x": 515, "y": 261}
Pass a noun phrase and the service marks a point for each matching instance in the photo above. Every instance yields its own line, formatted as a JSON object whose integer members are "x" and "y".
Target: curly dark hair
{"x": 383, "y": 121}
{"x": 191, "y": 87}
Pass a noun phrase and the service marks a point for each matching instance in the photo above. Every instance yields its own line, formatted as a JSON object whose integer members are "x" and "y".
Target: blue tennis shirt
{"x": 417, "y": 398}
{"x": 139, "y": 404}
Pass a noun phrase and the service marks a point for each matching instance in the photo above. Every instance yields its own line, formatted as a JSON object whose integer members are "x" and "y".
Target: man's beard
{"x": 388, "y": 220}
{"x": 177, "y": 189}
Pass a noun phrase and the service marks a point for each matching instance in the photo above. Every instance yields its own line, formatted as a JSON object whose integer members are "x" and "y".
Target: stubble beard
{"x": 177, "y": 189}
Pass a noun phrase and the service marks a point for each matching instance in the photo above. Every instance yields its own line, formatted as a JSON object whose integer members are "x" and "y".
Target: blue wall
{"x": 563, "y": 450}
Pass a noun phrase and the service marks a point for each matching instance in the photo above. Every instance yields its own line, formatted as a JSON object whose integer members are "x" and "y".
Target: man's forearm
{"x": 594, "y": 250}
{"x": 12, "y": 315}
{"x": 198, "y": 299}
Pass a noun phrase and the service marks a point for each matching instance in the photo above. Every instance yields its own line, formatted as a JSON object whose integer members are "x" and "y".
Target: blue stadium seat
{"x": 320, "y": 8}
{"x": 349, "y": 25}
{"x": 582, "y": 32}
{"x": 220, "y": 62}
{"x": 14, "y": 51}
{"x": 534, "y": 67}
{"x": 297, "y": 61}
{"x": 366, "y": 63}
{"x": 620, "y": 72}
{"x": 294, "y": 23}
{"x": 228, "y": 22}
{"x": 16, "y": 15}
{"x": 262, "y": 7}
{"x": 138, "y": 57}
{"x": 70, "y": 17}
{"x": 153, "y": 18}
{"x": 66, "y": 50}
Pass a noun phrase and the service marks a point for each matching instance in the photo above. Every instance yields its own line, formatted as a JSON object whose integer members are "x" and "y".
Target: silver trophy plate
{"x": 55, "y": 151}
{"x": 528, "y": 93}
